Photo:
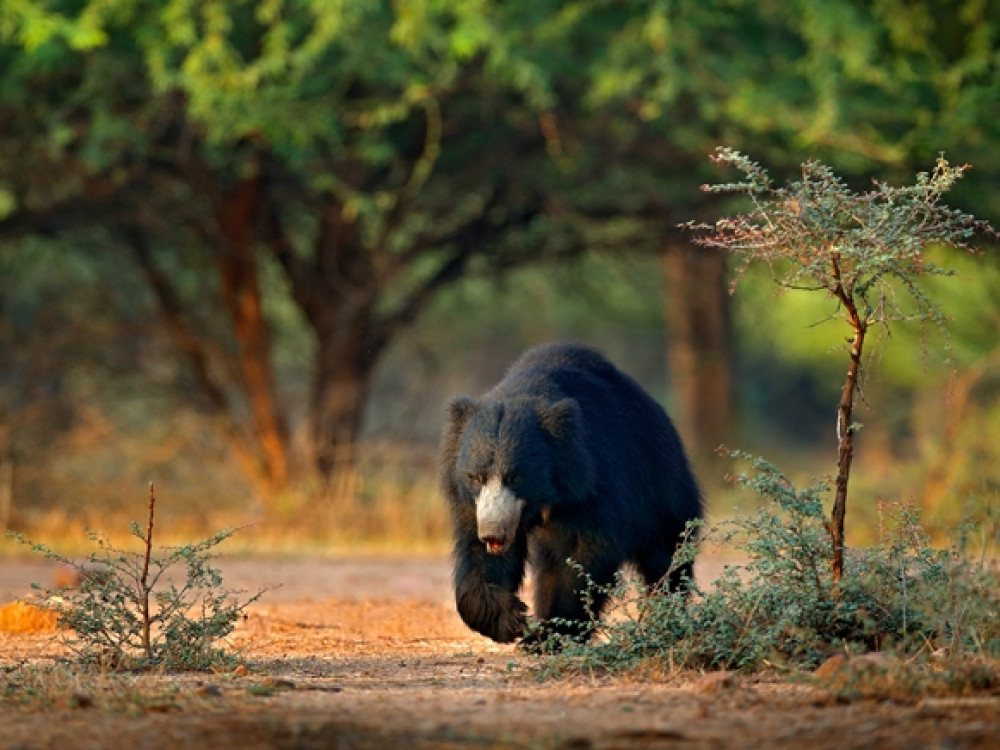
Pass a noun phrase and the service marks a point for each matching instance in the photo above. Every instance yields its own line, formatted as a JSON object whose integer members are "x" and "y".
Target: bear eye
{"x": 477, "y": 478}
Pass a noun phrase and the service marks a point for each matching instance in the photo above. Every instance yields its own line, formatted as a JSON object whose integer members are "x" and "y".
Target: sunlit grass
{"x": 391, "y": 504}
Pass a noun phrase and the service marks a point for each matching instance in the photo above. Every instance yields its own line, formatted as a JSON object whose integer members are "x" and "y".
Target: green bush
{"x": 782, "y": 607}
{"x": 140, "y": 610}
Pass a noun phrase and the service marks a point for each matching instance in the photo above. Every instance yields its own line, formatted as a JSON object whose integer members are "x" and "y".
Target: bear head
{"x": 516, "y": 459}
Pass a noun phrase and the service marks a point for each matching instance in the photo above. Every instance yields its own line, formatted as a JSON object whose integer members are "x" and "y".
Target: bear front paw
{"x": 494, "y": 612}
{"x": 513, "y": 620}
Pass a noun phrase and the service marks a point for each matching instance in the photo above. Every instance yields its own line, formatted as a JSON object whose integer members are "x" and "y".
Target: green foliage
{"x": 816, "y": 234}
{"x": 782, "y": 608}
{"x": 386, "y": 131}
{"x": 139, "y": 610}
{"x": 853, "y": 84}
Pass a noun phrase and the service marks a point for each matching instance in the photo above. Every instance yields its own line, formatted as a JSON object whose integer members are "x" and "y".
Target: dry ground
{"x": 369, "y": 653}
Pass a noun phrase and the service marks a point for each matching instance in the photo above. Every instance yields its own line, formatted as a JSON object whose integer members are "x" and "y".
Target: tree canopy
{"x": 377, "y": 152}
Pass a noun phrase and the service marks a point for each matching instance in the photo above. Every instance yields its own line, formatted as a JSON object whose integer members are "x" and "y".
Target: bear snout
{"x": 498, "y": 513}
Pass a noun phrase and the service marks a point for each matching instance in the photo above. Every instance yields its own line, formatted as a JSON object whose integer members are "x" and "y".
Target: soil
{"x": 369, "y": 653}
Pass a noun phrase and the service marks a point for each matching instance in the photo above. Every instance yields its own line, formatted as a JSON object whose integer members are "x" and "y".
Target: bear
{"x": 566, "y": 458}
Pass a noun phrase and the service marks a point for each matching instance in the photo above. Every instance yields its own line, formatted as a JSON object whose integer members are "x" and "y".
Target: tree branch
{"x": 171, "y": 308}
{"x": 72, "y": 213}
{"x": 468, "y": 240}
{"x": 191, "y": 347}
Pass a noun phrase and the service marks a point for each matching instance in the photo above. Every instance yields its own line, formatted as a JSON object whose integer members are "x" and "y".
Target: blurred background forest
{"x": 249, "y": 248}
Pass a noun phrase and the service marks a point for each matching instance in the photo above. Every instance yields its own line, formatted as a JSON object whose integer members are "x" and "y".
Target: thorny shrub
{"x": 140, "y": 609}
{"x": 782, "y": 608}
{"x": 864, "y": 250}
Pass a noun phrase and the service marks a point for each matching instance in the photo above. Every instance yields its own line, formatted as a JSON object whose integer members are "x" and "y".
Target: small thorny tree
{"x": 140, "y": 609}
{"x": 863, "y": 249}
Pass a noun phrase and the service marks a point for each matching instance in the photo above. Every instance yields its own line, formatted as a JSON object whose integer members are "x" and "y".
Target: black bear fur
{"x": 567, "y": 458}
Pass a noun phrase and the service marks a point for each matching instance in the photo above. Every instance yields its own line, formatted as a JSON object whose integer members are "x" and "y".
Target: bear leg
{"x": 655, "y": 566}
{"x": 560, "y": 587}
{"x": 486, "y": 589}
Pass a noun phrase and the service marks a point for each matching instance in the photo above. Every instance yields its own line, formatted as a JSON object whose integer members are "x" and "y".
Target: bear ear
{"x": 560, "y": 418}
{"x": 459, "y": 411}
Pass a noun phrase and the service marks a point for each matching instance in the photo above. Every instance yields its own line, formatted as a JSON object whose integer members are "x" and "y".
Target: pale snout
{"x": 498, "y": 513}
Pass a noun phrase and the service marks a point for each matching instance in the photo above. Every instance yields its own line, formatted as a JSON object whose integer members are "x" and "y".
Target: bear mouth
{"x": 494, "y": 545}
{"x": 498, "y": 514}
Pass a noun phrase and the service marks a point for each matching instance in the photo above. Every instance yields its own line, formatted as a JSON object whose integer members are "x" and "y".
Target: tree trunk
{"x": 699, "y": 351}
{"x": 241, "y": 439}
{"x": 241, "y": 294}
{"x": 340, "y": 287}
{"x": 345, "y": 363}
{"x": 337, "y": 289}
{"x": 845, "y": 440}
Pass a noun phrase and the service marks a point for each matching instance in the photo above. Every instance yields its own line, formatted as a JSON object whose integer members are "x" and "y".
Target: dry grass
{"x": 389, "y": 504}
{"x": 882, "y": 676}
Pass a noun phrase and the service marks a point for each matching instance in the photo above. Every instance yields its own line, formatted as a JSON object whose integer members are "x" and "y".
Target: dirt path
{"x": 370, "y": 654}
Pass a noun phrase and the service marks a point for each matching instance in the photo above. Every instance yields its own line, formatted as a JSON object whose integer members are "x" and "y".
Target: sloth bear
{"x": 566, "y": 458}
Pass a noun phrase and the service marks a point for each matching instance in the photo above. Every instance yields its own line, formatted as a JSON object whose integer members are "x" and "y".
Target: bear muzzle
{"x": 498, "y": 513}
